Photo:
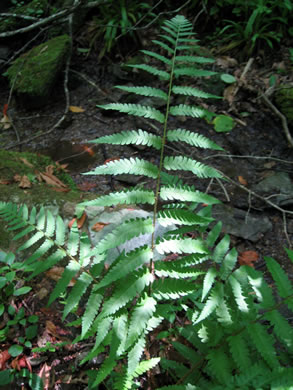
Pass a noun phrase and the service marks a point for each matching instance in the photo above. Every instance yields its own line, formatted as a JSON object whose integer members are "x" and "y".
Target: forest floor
{"x": 255, "y": 149}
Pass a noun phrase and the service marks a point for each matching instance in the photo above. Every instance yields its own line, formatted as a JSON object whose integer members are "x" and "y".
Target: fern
{"x": 223, "y": 321}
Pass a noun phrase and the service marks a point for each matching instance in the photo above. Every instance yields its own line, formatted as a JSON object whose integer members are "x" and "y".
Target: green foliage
{"x": 11, "y": 272}
{"x": 115, "y": 20}
{"x": 224, "y": 322}
{"x": 254, "y": 23}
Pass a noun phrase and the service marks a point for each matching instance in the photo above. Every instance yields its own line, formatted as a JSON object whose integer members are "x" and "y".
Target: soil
{"x": 255, "y": 148}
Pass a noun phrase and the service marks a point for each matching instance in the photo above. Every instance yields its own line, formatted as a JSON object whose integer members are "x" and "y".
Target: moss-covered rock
{"x": 34, "y": 73}
{"x": 284, "y": 101}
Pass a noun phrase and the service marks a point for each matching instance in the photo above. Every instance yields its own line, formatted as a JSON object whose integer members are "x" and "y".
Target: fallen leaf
{"x": 44, "y": 374}
{"x": 5, "y": 122}
{"x": 270, "y": 164}
{"x": 230, "y": 93}
{"x": 247, "y": 258}
{"x": 62, "y": 167}
{"x": 24, "y": 181}
{"x": 97, "y": 227}
{"x": 76, "y": 109}
{"x": 242, "y": 180}
{"x": 4, "y": 356}
{"x": 88, "y": 150}
{"x": 226, "y": 62}
{"x": 3, "y": 181}
{"x": 52, "y": 180}
{"x": 80, "y": 221}
{"x": 27, "y": 163}
{"x": 57, "y": 189}
{"x": 86, "y": 186}
{"x": 55, "y": 274}
{"x": 21, "y": 362}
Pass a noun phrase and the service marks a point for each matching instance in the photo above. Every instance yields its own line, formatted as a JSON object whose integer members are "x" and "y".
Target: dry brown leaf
{"x": 25, "y": 182}
{"x": 55, "y": 274}
{"x": 248, "y": 258}
{"x": 5, "y": 122}
{"x": 27, "y": 163}
{"x": 230, "y": 93}
{"x": 80, "y": 221}
{"x": 226, "y": 62}
{"x": 76, "y": 109}
{"x": 242, "y": 180}
{"x": 270, "y": 164}
{"x": 98, "y": 226}
{"x": 52, "y": 180}
{"x": 5, "y": 181}
{"x": 44, "y": 374}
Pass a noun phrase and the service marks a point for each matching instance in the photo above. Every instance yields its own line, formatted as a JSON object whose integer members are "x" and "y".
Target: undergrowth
{"x": 215, "y": 325}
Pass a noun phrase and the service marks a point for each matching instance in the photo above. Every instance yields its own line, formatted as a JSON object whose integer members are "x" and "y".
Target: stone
{"x": 278, "y": 187}
{"x": 239, "y": 223}
{"x": 33, "y": 75}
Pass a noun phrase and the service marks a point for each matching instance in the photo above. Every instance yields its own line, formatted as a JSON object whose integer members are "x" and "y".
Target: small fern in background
{"x": 224, "y": 321}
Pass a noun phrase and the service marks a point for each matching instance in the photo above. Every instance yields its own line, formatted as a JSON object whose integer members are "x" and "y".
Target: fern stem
{"x": 164, "y": 136}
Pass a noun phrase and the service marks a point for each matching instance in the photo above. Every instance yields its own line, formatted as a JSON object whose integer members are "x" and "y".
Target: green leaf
{"x": 15, "y": 350}
{"x": 180, "y": 245}
{"x": 131, "y": 196}
{"x": 70, "y": 271}
{"x": 182, "y": 217}
{"x": 192, "y": 138}
{"x": 124, "y": 232}
{"x": 132, "y": 166}
{"x": 208, "y": 281}
{"x": 135, "y": 137}
{"x": 223, "y": 123}
{"x": 21, "y": 291}
{"x": 186, "y": 194}
{"x": 136, "y": 110}
{"x": 91, "y": 310}
{"x": 145, "y": 91}
{"x": 194, "y": 72}
{"x": 188, "y": 164}
{"x": 193, "y": 111}
{"x": 228, "y": 78}
{"x": 195, "y": 92}
{"x": 153, "y": 70}
{"x": 142, "y": 312}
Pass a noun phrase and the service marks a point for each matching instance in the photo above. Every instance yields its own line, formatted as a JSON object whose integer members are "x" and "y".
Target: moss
{"x": 284, "y": 101}
{"x": 35, "y": 8}
{"x": 33, "y": 74}
{"x": 12, "y": 163}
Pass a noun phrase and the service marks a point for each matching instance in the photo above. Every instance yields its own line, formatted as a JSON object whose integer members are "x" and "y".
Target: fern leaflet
{"x": 135, "y": 109}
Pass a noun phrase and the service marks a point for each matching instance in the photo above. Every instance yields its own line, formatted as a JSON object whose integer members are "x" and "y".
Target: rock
{"x": 33, "y": 75}
{"x": 284, "y": 101}
{"x": 239, "y": 223}
{"x": 278, "y": 186}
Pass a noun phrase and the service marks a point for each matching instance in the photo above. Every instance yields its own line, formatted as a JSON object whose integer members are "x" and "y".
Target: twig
{"x": 253, "y": 157}
{"x": 281, "y": 116}
{"x": 45, "y": 21}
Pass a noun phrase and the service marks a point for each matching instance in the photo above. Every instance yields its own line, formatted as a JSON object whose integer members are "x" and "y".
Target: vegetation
{"x": 225, "y": 323}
